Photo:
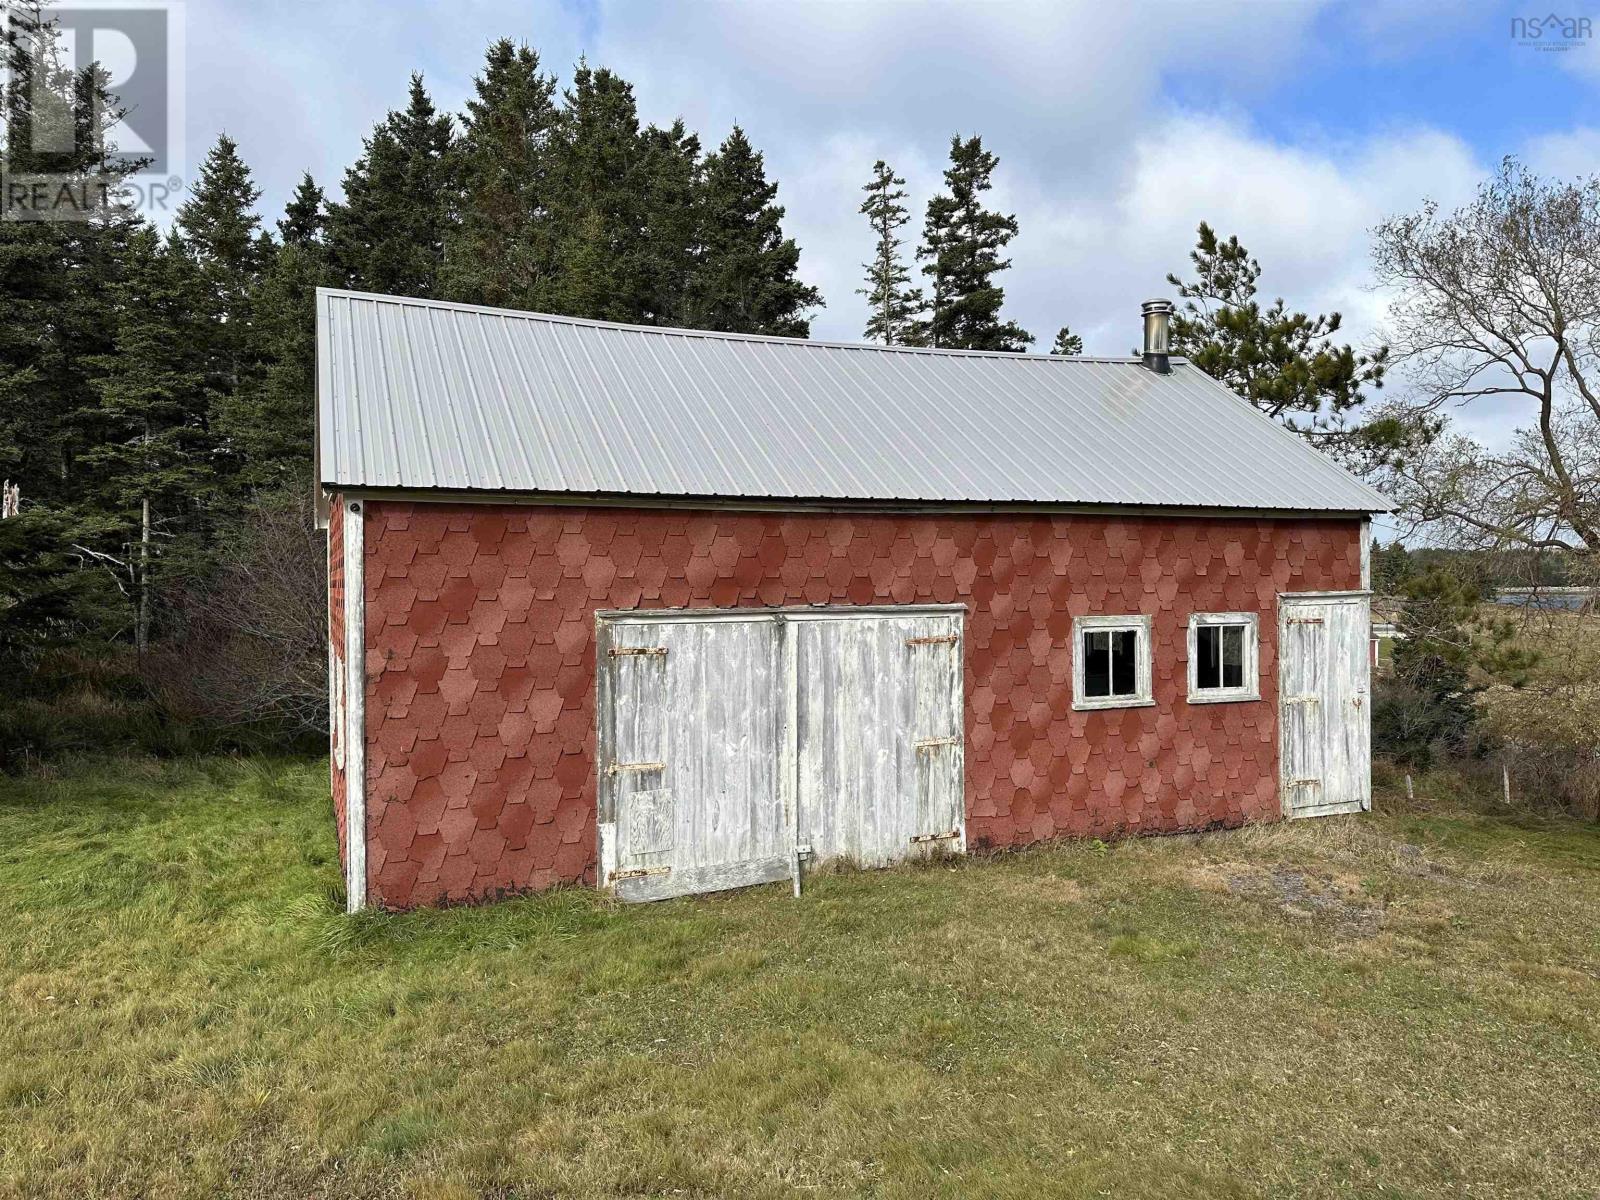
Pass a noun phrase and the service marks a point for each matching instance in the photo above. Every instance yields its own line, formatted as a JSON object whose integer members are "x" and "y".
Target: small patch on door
{"x": 650, "y": 821}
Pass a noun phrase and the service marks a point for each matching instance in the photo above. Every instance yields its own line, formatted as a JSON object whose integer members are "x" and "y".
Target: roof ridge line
{"x": 719, "y": 335}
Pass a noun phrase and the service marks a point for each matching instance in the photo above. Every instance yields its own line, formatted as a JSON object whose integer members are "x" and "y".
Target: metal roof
{"x": 419, "y": 394}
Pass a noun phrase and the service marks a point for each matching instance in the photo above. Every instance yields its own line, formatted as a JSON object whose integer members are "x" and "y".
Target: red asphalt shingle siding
{"x": 480, "y": 664}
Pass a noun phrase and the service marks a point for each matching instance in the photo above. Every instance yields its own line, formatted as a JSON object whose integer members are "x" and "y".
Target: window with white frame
{"x": 1111, "y": 662}
{"x": 1223, "y": 657}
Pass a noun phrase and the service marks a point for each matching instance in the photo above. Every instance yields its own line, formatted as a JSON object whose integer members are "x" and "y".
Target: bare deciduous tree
{"x": 254, "y": 646}
{"x": 1502, "y": 298}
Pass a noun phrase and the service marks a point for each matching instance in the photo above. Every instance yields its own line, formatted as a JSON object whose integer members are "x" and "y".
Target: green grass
{"x": 1402, "y": 1005}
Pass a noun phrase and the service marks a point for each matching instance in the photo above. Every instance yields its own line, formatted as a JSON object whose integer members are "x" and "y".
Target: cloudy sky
{"x": 1118, "y": 126}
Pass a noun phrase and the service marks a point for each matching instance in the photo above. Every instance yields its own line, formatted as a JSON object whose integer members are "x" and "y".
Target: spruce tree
{"x": 600, "y": 202}
{"x": 744, "y": 281}
{"x": 894, "y": 306}
{"x": 153, "y": 472}
{"x": 502, "y": 252}
{"x": 41, "y": 591}
{"x": 1067, "y": 343}
{"x": 671, "y": 175}
{"x": 304, "y": 217}
{"x": 217, "y": 226}
{"x": 267, "y": 425}
{"x": 961, "y": 247}
{"x": 389, "y": 232}
{"x": 57, "y": 278}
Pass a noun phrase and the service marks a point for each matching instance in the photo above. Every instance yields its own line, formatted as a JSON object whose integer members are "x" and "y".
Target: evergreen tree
{"x": 56, "y": 277}
{"x": 217, "y": 226}
{"x": 894, "y": 305}
{"x": 1067, "y": 343}
{"x": 503, "y": 252}
{"x": 304, "y": 217}
{"x": 744, "y": 281}
{"x": 1391, "y": 567}
{"x": 41, "y": 588}
{"x": 671, "y": 175}
{"x": 961, "y": 247}
{"x": 268, "y": 424}
{"x": 153, "y": 471}
{"x": 600, "y": 209}
{"x": 389, "y": 232}
{"x": 1285, "y": 363}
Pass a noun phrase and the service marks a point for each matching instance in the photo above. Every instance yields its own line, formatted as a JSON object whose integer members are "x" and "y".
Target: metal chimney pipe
{"x": 1157, "y": 330}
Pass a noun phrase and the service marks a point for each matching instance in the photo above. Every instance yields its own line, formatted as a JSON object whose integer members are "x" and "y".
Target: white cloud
{"x": 1572, "y": 154}
{"x": 299, "y": 86}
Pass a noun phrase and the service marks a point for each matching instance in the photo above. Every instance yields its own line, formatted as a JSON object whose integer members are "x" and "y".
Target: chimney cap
{"x": 1157, "y": 316}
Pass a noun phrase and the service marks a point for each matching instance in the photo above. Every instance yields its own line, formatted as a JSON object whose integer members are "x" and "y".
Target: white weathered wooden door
{"x": 691, "y": 793}
{"x": 731, "y": 743}
{"x": 1324, "y": 705}
{"x": 879, "y": 745}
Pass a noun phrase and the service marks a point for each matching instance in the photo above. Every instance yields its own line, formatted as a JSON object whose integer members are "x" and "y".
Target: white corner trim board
{"x": 355, "y": 696}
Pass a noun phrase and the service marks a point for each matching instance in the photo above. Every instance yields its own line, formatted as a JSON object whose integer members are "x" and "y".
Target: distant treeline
{"x": 1486, "y": 570}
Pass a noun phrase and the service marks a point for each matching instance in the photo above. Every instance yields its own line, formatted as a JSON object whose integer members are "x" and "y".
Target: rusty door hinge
{"x": 618, "y": 768}
{"x": 935, "y": 743}
{"x": 638, "y": 651}
{"x": 936, "y": 837}
{"x": 639, "y": 873}
{"x": 944, "y": 639}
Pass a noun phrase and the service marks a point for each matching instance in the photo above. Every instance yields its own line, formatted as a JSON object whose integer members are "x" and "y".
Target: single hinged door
{"x": 880, "y": 736}
{"x": 733, "y": 743}
{"x": 691, "y": 799}
{"x": 1325, "y": 715}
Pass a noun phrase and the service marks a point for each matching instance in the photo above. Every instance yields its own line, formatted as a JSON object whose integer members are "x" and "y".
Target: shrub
{"x": 85, "y": 703}
{"x": 1550, "y": 738}
{"x": 1448, "y": 639}
{"x": 1413, "y": 724}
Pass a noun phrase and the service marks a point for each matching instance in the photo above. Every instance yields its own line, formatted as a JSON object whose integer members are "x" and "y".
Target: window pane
{"x": 1208, "y": 657}
{"x": 1233, "y": 656}
{"x": 1096, "y": 665}
{"x": 1124, "y": 668}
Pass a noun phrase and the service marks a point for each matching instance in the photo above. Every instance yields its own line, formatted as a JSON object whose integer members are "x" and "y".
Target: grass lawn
{"x": 1402, "y": 1005}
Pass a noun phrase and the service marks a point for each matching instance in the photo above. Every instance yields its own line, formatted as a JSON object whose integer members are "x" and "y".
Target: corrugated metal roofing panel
{"x": 422, "y": 394}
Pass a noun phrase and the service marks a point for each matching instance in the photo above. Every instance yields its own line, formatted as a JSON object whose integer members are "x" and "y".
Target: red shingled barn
{"x": 664, "y": 611}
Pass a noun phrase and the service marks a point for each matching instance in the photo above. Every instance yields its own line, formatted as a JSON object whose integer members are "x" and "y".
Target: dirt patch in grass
{"x": 1302, "y": 894}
